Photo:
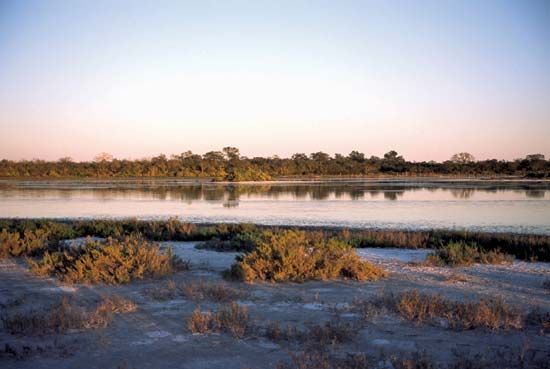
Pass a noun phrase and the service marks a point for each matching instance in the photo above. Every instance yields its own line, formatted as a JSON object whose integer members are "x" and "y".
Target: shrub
{"x": 111, "y": 262}
{"x": 12, "y": 244}
{"x": 462, "y": 253}
{"x": 291, "y": 256}
{"x": 232, "y": 318}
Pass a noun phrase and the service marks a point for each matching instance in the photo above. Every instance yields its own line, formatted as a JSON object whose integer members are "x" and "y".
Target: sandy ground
{"x": 155, "y": 336}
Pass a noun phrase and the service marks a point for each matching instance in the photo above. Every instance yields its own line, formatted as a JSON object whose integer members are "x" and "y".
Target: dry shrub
{"x": 540, "y": 319}
{"x": 212, "y": 291}
{"x": 291, "y": 256}
{"x": 12, "y": 244}
{"x": 111, "y": 261}
{"x": 314, "y": 336}
{"x": 232, "y": 318}
{"x": 65, "y": 315}
{"x": 546, "y": 284}
{"x": 457, "y": 278}
{"x": 201, "y": 322}
{"x": 163, "y": 292}
{"x": 314, "y": 359}
{"x": 465, "y": 254}
{"x": 425, "y": 308}
{"x": 197, "y": 291}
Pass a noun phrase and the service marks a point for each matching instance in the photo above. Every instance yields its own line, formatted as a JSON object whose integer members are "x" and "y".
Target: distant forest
{"x": 229, "y": 165}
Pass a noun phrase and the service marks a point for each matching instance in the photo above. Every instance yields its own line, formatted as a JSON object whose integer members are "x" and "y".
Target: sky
{"x": 139, "y": 78}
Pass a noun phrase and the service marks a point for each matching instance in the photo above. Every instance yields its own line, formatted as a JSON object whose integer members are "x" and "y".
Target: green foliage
{"x": 462, "y": 253}
{"x": 292, "y": 256}
{"x": 111, "y": 262}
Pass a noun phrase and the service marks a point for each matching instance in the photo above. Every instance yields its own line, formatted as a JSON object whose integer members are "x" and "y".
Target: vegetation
{"x": 463, "y": 254}
{"x": 13, "y": 244}
{"x": 220, "y": 292}
{"x": 246, "y": 237}
{"x": 64, "y": 315}
{"x": 232, "y": 318}
{"x": 111, "y": 261}
{"x": 425, "y": 308}
{"x": 291, "y": 256}
{"x": 229, "y": 165}
{"x": 313, "y": 336}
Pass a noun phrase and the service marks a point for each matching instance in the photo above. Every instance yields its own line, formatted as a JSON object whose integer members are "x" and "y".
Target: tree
{"x": 356, "y": 156}
{"x": 101, "y": 157}
{"x": 463, "y": 158}
{"x": 231, "y": 153}
{"x": 534, "y": 157}
{"x": 393, "y": 156}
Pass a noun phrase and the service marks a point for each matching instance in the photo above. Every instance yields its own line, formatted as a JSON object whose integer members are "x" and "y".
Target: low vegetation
{"x": 423, "y": 308}
{"x": 246, "y": 237}
{"x": 522, "y": 357}
{"x": 13, "y": 244}
{"x": 313, "y": 336}
{"x": 198, "y": 291}
{"x": 465, "y": 254}
{"x": 291, "y": 256}
{"x": 63, "y": 316}
{"x": 111, "y": 261}
{"x": 232, "y": 318}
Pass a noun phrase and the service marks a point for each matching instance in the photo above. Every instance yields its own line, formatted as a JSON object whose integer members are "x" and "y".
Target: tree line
{"x": 230, "y": 165}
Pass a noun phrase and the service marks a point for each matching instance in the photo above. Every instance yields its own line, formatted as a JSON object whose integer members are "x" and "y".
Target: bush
{"x": 291, "y": 256}
{"x": 12, "y": 244}
{"x": 111, "y": 261}
{"x": 462, "y": 253}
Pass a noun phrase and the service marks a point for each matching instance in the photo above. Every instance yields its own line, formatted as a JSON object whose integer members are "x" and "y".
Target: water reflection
{"x": 231, "y": 194}
{"x": 513, "y": 206}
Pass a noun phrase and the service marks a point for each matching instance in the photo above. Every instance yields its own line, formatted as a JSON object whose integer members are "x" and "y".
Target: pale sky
{"x": 139, "y": 78}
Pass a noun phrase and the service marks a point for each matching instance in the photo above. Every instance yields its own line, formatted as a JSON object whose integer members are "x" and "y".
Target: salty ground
{"x": 156, "y": 335}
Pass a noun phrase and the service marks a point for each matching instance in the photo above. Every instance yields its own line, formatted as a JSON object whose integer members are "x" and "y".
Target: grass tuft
{"x": 232, "y": 318}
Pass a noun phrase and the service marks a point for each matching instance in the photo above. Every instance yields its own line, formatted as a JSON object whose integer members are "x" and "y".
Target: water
{"x": 491, "y": 206}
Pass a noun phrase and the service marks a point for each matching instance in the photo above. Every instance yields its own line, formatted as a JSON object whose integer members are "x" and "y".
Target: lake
{"x": 520, "y": 206}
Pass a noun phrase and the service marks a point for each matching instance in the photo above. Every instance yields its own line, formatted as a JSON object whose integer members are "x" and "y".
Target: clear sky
{"x": 135, "y": 79}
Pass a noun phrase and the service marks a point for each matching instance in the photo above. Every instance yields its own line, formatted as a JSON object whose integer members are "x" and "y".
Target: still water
{"x": 492, "y": 206}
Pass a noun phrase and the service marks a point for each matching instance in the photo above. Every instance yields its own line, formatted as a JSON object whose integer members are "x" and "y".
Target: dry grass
{"x": 540, "y": 319}
{"x": 456, "y": 277}
{"x": 232, "y": 318}
{"x": 65, "y": 315}
{"x": 198, "y": 291}
{"x": 292, "y": 256}
{"x": 313, "y": 336}
{"x": 313, "y": 359}
{"x": 111, "y": 262}
{"x": 212, "y": 291}
{"x": 435, "y": 309}
{"x": 491, "y": 314}
{"x": 465, "y": 254}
